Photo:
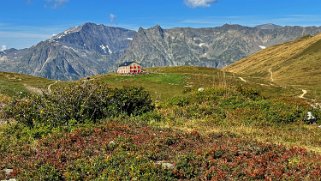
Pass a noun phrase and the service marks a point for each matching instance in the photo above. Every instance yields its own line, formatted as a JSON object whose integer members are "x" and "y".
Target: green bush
{"x": 179, "y": 101}
{"x": 248, "y": 92}
{"x": 236, "y": 103}
{"x": 188, "y": 166}
{"x": 82, "y": 102}
{"x": 283, "y": 113}
{"x": 128, "y": 166}
{"x": 44, "y": 172}
{"x": 132, "y": 100}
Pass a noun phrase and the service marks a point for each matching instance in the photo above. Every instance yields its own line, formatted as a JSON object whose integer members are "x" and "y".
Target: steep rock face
{"x": 212, "y": 47}
{"x": 78, "y": 52}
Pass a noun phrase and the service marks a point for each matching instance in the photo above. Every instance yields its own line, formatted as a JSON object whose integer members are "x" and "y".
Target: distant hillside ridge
{"x": 293, "y": 63}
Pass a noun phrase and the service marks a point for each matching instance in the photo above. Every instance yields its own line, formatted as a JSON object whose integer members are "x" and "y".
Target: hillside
{"x": 201, "y": 123}
{"x": 296, "y": 63}
{"x": 13, "y": 84}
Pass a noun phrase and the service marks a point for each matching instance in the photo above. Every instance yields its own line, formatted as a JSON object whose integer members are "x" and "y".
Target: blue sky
{"x": 24, "y": 23}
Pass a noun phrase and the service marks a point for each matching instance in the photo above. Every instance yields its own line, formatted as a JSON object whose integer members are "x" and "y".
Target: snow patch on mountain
{"x": 262, "y": 47}
{"x": 67, "y": 32}
{"x": 105, "y": 48}
{"x": 203, "y": 45}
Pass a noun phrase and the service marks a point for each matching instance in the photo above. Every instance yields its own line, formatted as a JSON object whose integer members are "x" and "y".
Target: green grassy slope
{"x": 13, "y": 84}
{"x": 163, "y": 83}
{"x": 294, "y": 64}
{"x": 167, "y": 82}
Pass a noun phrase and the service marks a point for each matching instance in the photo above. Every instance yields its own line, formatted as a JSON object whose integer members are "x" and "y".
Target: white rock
{"x": 201, "y": 89}
{"x": 165, "y": 165}
{"x": 8, "y": 171}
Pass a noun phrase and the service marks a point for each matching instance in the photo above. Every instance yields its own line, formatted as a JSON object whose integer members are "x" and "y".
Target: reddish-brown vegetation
{"x": 88, "y": 153}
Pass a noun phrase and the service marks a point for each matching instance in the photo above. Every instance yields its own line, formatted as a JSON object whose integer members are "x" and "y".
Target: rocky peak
{"x": 157, "y": 28}
{"x": 89, "y": 24}
{"x": 156, "y": 31}
{"x": 268, "y": 26}
{"x": 141, "y": 29}
{"x": 232, "y": 26}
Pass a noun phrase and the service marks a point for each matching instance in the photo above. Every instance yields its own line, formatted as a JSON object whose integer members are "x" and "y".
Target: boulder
{"x": 310, "y": 119}
{"x": 165, "y": 165}
{"x": 201, "y": 89}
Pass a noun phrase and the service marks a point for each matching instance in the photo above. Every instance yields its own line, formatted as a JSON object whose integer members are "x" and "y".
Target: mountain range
{"x": 92, "y": 49}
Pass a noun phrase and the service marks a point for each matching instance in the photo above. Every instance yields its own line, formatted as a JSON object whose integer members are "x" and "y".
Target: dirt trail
{"x": 49, "y": 86}
{"x": 303, "y": 94}
{"x": 271, "y": 77}
{"x": 313, "y": 103}
{"x": 241, "y": 78}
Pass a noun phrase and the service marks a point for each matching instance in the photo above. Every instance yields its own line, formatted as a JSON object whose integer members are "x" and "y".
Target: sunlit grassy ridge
{"x": 166, "y": 82}
{"x": 294, "y": 64}
{"x": 161, "y": 86}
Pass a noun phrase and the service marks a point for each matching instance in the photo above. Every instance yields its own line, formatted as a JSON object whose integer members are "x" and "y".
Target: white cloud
{"x": 3, "y": 47}
{"x": 199, "y": 3}
{"x": 56, "y": 3}
{"x": 112, "y": 18}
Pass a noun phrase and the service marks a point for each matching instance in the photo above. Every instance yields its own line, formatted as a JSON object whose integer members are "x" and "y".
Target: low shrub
{"x": 81, "y": 102}
{"x": 243, "y": 105}
{"x": 129, "y": 166}
{"x": 188, "y": 166}
{"x": 249, "y": 93}
{"x": 117, "y": 151}
{"x": 44, "y": 172}
{"x": 179, "y": 101}
{"x": 132, "y": 101}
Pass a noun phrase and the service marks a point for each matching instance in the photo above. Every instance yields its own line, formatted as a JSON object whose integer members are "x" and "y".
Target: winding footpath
{"x": 271, "y": 77}
{"x": 303, "y": 94}
{"x": 49, "y": 86}
{"x": 312, "y": 103}
{"x": 243, "y": 80}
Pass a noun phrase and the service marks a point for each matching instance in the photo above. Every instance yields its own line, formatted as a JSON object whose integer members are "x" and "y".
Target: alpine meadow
{"x": 180, "y": 90}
